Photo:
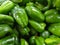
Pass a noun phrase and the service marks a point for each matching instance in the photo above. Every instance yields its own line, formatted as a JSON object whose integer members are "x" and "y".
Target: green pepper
{"x": 32, "y": 40}
{"x": 20, "y": 16}
{"x": 50, "y": 12}
{"x": 24, "y": 31}
{"x": 6, "y": 6}
{"x": 39, "y": 27}
{"x": 16, "y": 1}
{"x": 56, "y": 3}
{"x": 52, "y": 41}
{"x": 6, "y": 19}
{"x": 4, "y": 29}
{"x": 43, "y": 4}
{"x": 53, "y": 36}
{"x": 40, "y": 41}
{"x": 9, "y": 40}
{"x": 35, "y": 40}
{"x": 34, "y": 13}
{"x": 23, "y": 42}
{"x": 45, "y": 34}
{"x": 1, "y": 1}
{"x": 55, "y": 29}
{"x": 53, "y": 18}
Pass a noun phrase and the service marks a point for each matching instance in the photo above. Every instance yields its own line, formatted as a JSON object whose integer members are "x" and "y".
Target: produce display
{"x": 29, "y": 22}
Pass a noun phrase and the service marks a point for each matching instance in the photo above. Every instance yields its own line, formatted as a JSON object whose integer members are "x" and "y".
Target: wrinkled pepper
{"x": 55, "y": 29}
{"x": 20, "y": 16}
{"x": 4, "y": 29}
{"x": 6, "y": 19}
{"x": 23, "y": 42}
{"x": 6, "y": 6}
{"x": 39, "y": 27}
{"x": 34, "y": 13}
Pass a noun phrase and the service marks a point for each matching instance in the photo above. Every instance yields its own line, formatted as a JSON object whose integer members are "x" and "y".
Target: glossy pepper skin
{"x": 6, "y": 19}
{"x": 24, "y": 31}
{"x": 56, "y": 3}
{"x": 23, "y": 42}
{"x": 4, "y": 29}
{"x": 50, "y": 12}
{"x": 45, "y": 34}
{"x": 6, "y": 6}
{"x": 35, "y": 40}
{"x": 52, "y": 41}
{"x": 34, "y": 13}
{"x": 40, "y": 41}
{"x": 16, "y": 1}
{"x": 39, "y": 27}
{"x": 1, "y": 1}
{"x": 53, "y": 18}
{"x": 55, "y": 29}
{"x": 9, "y": 40}
{"x": 20, "y": 16}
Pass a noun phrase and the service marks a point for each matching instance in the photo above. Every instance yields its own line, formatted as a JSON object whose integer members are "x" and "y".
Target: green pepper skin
{"x": 23, "y": 42}
{"x": 20, "y": 16}
{"x": 50, "y": 12}
{"x": 35, "y": 40}
{"x": 55, "y": 29}
{"x": 4, "y": 29}
{"x": 6, "y": 19}
{"x": 39, "y": 27}
{"x": 24, "y": 31}
{"x": 52, "y": 41}
{"x": 43, "y": 5}
{"x": 16, "y": 1}
{"x": 56, "y": 3}
{"x": 6, "y": 6}
{"x": 53, "y": 18}
{"x": 34, "y": 13}
{"x": 32, "y": 40}
{"x": 1, "y": 1}
{"x": 53, "y": 36}
{"x": 45, "y": 34}
{"x": 40, "y": 41}
{"x": 9, "y": 40}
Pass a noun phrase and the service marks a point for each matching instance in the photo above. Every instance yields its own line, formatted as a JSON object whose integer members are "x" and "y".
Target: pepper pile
{"x": 29, "y": 22}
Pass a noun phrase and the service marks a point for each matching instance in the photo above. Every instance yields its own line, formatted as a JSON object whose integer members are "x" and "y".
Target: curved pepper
{"x": 40, "y": 41}
{"x": 55, "y": 29}
{"x": 20, "y": 16}
{"x": 6, "y": 6}
{"x": 35, "y": 40}
{"x": 50, "y": 12}
{"x": 8, "y": 40}
{"x": 39, "y": 27}
{"x": 54, "y": 18}
{"x": 4, "y": 29}
{"x": 23, "y": 42}
{"x": 52, "y": 41}
{"x": 34, "y": 13}
{"x": 6, "y": 19}
{"x": 24, "y": 31}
